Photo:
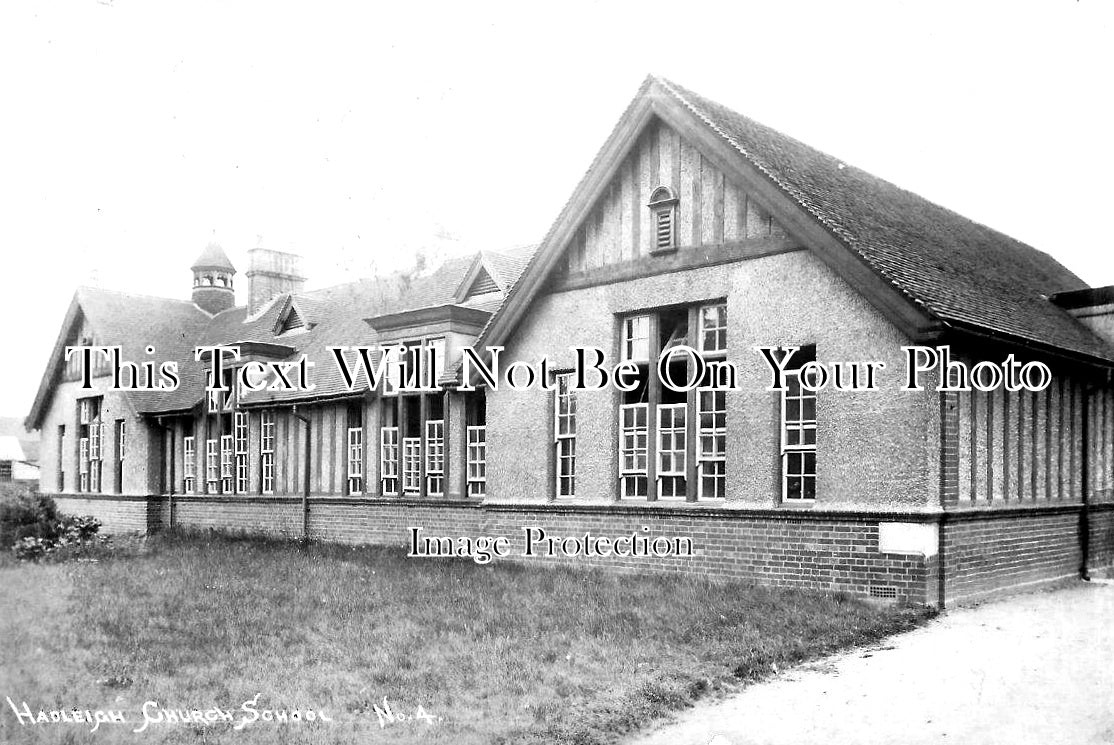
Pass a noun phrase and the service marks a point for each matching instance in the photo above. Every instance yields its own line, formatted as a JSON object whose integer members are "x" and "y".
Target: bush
{"x": 28, "y": 516}
{"x": 33, "y": 528}
{"x": 31, "y": 548}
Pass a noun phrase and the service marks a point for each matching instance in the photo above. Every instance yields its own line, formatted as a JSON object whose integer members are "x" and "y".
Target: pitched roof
{"x": 10, "y": 449}
{"x": 335, "y": 316}
{"x": 962, "y": 272}
{"x": 213, "y": 257}
{"x": 959, "y": 272}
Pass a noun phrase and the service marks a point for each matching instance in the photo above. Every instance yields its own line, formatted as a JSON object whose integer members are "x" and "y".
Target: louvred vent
{"x": 665, "y": 229}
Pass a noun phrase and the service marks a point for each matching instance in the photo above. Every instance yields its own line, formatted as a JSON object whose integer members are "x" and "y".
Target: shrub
{"x": 31, "y": 548}
{"x": 28, "y": 516}
{"x": 33, "y": 528}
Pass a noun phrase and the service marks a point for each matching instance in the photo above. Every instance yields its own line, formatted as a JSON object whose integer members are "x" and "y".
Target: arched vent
{"x": 663, "y": 211}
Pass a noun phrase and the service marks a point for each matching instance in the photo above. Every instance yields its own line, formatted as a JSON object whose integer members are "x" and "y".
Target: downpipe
{"x": 305, "y": 472}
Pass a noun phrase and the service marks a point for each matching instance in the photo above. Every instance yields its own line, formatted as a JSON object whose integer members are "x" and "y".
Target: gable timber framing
{"x": 653, "y": 100}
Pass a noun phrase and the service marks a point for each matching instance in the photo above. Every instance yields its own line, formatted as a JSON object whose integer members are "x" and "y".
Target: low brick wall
{"x": 989, "y": 552}
{"x": 117, "y": 514}
{"x": 984, "y": 552}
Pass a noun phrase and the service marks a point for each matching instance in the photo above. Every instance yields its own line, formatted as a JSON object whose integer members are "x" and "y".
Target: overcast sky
{"x": 136, "y": 132}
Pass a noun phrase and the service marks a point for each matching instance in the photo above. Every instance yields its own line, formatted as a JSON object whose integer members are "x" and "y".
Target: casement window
{"x": 90, "y": 436}
{"x": 355, "y": 460}
{"x": 798, "y": 432}
{"x": 240, "y": 430}
{"x": 121, "y": 451}
{"x": 663, "y": 217}
{"x": 636, "y": 338}
{"x": 713, "y": 328}
{"x": 83, "y": 464}
{"x": 411, "y": 465}
{"x": 477, "y": 461}
{"x": 435, "y": 457}
{"x": 633, "y": 450}
{"x": 672, "y": 441}
{"x": 212, "y": 466}
{"x": 227, "y": 464}
{"x": 711, "y": 451}
{"x": 96, "y": 432}
{"x": 190, "y": 467}
{"x": 564, "y": 402}
{"x": 388, "y": 460}
{"x": 5, "y": 470}
{"x": 267, "y": 451}
{"x": 61, "y": 459}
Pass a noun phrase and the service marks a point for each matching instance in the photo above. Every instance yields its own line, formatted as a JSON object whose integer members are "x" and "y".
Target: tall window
{"x": 633, "y": 450}
{"x": 90, "y": 436}
{"x": 671, "y": 450}
{"x": 711, "y": 453}
{"x": 267, "y": 451}
{"x": 212, "y": 466}
{"x": 61, "y": 459}
{"x": 355, "y": 460}
{"x": 411, "y": 465}
{"x": 565, "y": 434}
{"x": 241, "y": 433}
{"x": 798, "y": 431}
{"x": 190, "y": 464}
{"x": 477, "y": 461}
{"x": 388, "y": 460}
{"x": 355, "y": 455}
{"x": 121, "y": 451}
{"x": 435, "y": 457}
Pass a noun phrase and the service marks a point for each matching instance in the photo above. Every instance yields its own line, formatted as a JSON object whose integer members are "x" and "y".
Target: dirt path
{"x": 1035, "y": 668}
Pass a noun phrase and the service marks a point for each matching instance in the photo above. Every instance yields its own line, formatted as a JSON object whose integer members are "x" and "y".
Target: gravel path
{"x": 1036, "y": 668}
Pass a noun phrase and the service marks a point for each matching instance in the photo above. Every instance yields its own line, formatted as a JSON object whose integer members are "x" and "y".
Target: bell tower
{"x": 212, "y": 280}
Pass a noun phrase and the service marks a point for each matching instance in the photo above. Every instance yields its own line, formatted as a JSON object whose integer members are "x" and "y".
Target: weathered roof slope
{"x": 961, "y": 271}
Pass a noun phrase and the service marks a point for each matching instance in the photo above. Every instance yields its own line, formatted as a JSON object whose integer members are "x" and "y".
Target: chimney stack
{"x": 271, "y": 273}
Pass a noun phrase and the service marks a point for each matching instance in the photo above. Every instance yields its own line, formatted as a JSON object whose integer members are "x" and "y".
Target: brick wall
{"x": 986, "y": 553}
{"x": 117, "y": 515}
{"x": 983, "y": 553}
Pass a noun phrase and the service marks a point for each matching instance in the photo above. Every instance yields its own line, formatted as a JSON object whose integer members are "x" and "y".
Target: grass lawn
{"x": 499, "y": 654}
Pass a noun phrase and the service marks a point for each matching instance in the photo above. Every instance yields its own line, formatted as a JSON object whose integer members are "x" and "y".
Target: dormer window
{"x": 663, "y": 214}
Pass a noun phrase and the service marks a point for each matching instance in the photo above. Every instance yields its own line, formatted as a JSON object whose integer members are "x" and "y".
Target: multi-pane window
{"x": 90, "y": 435}
{"x": 83, "y": 464}
{"x": 636, "y": 338}
{"x": 221, "y": 401}
{"x": 411, "y": 465}
{"x": 355, "y": 460}
{"x": 227, "y": 469}
{"x": 240, "y": 429}
{"x": 477, "y": 461}
{"x": 633, "y": 450}
{"x": 388, "y": 459}
{"x": 121, "y": 451}
{"x": 798, "y": 432}
{"x": 435, "y": 457}
{"x": 267, "y": 451}
{"x": 212, "y": 465}
{"x": 713, "y": 328}
{"x": 565, "y": 434}
{"x": 711, "y": 453}
{"x": 671, "y": 450}
{"x": 190, "y": 466}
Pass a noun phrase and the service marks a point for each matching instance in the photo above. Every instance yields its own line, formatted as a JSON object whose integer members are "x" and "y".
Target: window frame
{"x": 802, "y": 448}
{"x": 476, "y": 460}
{"x": 564, "y": 442}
